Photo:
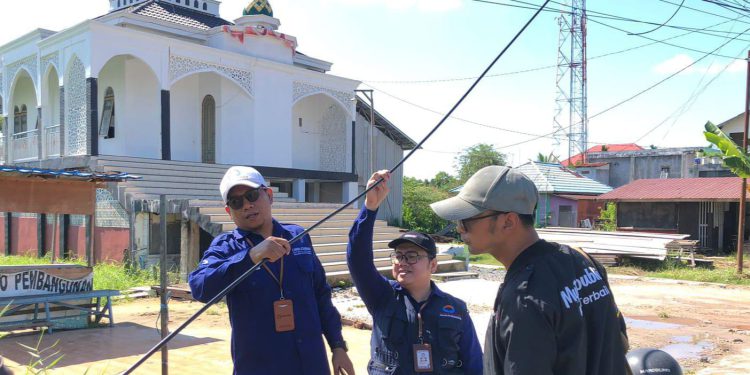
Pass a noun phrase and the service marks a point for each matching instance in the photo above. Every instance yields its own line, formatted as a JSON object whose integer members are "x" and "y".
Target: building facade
{"x": 170, "y": 90}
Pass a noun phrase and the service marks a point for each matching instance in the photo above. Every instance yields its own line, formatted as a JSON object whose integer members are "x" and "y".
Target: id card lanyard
{"x": 283, "y": 309}
{"x": 422, "y": 351}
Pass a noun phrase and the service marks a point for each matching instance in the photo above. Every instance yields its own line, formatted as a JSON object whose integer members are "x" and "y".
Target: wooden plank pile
{"x": 608, "y": 247}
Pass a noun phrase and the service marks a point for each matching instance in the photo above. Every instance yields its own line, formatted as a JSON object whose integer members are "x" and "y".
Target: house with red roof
{"x": 705, "y": 208}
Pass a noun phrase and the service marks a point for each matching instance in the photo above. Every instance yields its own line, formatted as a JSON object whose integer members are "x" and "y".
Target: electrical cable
{"x": 296, "y": 238}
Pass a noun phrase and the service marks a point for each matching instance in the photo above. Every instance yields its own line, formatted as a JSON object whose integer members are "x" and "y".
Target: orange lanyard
{"x": 419, "y": 318}
{"x": 278, "y": 280}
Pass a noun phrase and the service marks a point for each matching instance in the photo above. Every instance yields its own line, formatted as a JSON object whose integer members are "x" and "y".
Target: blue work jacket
{"x": 448, "y": 326}
{"x": 256, "y": 346}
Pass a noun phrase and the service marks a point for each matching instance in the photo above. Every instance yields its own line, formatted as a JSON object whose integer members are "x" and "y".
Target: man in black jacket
{"x": 554, "y": 312}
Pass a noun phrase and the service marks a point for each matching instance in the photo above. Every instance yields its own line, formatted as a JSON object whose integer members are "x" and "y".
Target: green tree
{"x": 475, "y": 158}
{"x": 551, "y": 158}
{"x": 416, "y": 207}
{"x": 444, "y": 181}
{"x": 608, "y": 218}
{"x": 732, "y": 155}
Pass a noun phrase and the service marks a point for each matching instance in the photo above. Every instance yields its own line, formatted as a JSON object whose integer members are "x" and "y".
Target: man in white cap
{"x": 554, "y": 312}
{"x": 279, "y": 312}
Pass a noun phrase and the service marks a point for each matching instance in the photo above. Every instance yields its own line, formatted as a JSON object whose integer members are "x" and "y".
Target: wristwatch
{"x": 339, "y": 344}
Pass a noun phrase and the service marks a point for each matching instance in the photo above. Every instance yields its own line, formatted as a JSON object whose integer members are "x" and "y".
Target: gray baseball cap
{"x": 491, "y": 188}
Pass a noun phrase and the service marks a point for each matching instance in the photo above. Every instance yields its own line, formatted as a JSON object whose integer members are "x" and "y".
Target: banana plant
{"x": 736, "y": 159}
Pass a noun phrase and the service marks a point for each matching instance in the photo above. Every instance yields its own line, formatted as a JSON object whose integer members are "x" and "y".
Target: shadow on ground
{"x": 95, "y": 344}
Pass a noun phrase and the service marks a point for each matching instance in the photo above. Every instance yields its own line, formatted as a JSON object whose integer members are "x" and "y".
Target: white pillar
{"x": 349, "y": 191}
{"x": 298, "y": 189}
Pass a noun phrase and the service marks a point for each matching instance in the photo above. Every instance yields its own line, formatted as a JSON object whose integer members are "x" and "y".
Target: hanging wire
{"x": 296, "y": 238}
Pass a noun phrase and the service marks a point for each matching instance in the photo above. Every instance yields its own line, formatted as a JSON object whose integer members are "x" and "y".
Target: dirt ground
{"x": 706, "y": 326}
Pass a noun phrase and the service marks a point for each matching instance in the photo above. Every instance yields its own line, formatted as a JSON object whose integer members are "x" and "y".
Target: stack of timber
{"x": 608, "y": 247}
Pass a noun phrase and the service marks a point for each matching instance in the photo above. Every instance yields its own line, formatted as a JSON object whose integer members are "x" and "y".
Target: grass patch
{"x": 480, "y": 259}
{"x": 106, "y": 275}
{"x": 724, "y": 271}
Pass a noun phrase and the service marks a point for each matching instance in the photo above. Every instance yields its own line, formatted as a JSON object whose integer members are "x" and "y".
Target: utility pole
{"x": 743, "y": 193}
{"x": 164, "y": 311}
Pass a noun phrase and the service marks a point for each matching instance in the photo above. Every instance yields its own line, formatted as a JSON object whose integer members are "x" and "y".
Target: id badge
{"x": 422, "y": 358}
{"x": 283, "y": 313}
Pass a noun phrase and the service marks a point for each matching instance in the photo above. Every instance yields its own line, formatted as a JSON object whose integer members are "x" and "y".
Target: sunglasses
{"x": 252, "y": 195}
{"x": 463, "y": 224}
{"x": 411, "y": 257}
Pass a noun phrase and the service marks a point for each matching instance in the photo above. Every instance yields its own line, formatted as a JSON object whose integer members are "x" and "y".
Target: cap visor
{"x": 455, "y": 209}
{"x": 398, "y": 241}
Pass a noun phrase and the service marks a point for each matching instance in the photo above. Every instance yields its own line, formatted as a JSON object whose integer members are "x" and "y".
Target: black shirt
{"x": 555, "y": 314}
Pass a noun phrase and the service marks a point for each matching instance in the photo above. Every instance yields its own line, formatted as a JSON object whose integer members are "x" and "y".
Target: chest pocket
{"x": 393, "y": 331}
{"x": 449, "y": 336}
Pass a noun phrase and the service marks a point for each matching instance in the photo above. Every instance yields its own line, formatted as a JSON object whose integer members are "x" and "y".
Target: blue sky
{"x": 389, "y": 44}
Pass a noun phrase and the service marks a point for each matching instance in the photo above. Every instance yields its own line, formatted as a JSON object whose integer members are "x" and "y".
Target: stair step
{"x": 378, "y": 254}
{"x": 334, "y": 277}
{"x": 452, "y": 276}
{"x": 227, "y": 226}
{"x": 319, "y": 239}
{"x": 341, "y": 247}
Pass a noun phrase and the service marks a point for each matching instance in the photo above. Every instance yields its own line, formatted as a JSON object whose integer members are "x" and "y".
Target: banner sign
{"x": 38, "y": 281}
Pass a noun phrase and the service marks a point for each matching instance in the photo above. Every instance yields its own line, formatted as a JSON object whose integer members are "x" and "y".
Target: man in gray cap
{"x": 554, "y": 312}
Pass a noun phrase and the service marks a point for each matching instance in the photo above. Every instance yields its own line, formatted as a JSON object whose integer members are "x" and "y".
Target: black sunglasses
{"x": 252, "y": 195}
{"x": 463, "y": 223}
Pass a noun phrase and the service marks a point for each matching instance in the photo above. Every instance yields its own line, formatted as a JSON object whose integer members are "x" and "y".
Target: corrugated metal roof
{"x": 68, "y": 174}
{"x": 678, "y": 189}
{"x": 554, "y": 178}
{"x": 578, "y": 158}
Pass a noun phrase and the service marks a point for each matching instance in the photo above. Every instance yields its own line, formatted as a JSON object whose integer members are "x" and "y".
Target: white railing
{"x": 25, "y": 146}
{"x": 2, "y": 149}
{"x": 52, "y": 141}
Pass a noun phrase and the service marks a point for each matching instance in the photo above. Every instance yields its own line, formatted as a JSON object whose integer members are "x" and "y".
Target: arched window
{"x": 107, "y": 125}
{"x": 195, "y": 3}
{"x": 118, "y": 3}
{"x": 208, "y": 130}
{"x": 178, "y": 1}
{"x": 20, "y": 117}
{"x": 205, "y": 6}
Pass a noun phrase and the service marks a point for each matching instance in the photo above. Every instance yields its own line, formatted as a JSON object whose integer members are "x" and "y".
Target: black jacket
{"x": 555, "y": 314}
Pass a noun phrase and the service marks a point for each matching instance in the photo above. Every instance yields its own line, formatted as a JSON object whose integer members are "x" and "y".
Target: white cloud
{"x": 674, "y": 64}
{"x": 678, "y": 62}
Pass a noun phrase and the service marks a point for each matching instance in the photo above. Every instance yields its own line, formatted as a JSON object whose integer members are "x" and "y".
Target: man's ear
{"x": 226, "y": 208}
{"x": 433, "y": 264}
{"x": 270, "y": 194}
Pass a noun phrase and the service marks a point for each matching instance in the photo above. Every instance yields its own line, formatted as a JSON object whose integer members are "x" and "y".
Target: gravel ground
{"x": 479, "y": 294}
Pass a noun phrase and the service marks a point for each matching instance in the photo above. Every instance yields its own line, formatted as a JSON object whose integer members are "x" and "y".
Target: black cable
{"x": 631, "y": 97}
{"x": 296, "y": 238}
{"x": 702, "y": 11}
{"x": 665, "y": 22}
{"x": 653, "y": 41}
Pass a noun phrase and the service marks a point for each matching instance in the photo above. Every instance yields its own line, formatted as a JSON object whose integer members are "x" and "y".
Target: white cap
{"x": 239, "y": 175}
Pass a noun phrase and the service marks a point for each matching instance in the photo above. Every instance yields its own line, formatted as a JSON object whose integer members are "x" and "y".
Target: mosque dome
{"x": 258, "y": 7}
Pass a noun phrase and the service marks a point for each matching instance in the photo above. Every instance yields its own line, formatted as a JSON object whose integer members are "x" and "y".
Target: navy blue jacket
{"x": 394, "y": 315}
{"x": 256, "y": 346}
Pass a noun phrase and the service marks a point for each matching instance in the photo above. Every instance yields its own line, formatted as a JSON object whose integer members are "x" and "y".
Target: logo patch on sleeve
{"x": 302, "y": 250}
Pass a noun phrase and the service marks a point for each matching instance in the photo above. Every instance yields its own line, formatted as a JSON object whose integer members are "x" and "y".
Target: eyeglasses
{"x": 463, "y": 226}
{"x": 237, "y": 202}
{"x": 411, "y": 257}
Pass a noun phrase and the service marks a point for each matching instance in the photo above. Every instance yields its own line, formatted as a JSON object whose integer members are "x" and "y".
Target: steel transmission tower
{"x": 571, "y": 80}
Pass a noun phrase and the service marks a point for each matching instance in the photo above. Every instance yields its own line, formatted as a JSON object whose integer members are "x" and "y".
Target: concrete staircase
{"x": 197, "y": 184}
{"x": 329, "y": 239}
{"x": 179, "y": 179}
